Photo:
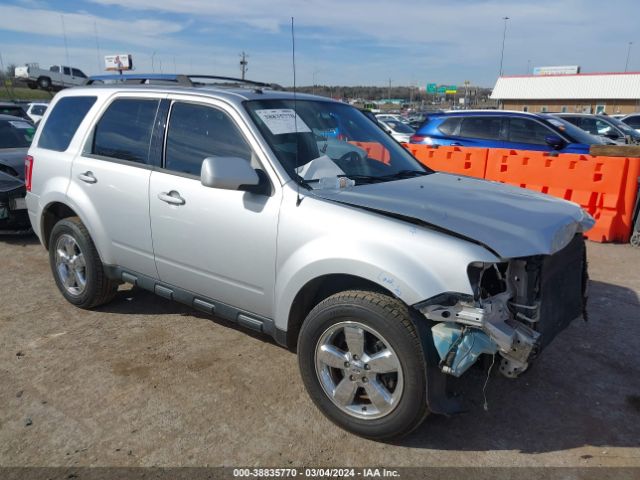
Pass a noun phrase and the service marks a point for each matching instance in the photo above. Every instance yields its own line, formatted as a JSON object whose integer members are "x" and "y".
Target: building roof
{"x": 583, "y": 86}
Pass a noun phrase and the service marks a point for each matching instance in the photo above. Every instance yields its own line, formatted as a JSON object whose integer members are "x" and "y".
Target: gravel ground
{"x": 143, "y": 381}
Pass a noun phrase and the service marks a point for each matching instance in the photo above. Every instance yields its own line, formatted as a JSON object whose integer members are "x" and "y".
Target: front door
{"x": 213, "y": 242}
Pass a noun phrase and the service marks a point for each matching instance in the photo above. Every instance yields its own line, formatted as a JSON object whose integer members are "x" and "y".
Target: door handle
{"x": 88, "y": 177}
{"x": 171, "y": 197}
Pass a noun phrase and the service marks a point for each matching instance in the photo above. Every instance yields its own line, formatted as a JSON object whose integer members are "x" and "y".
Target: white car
{"x": 398, "y": 130}
{"x": 36, "y": 111}
{"x": 383, "y": 117}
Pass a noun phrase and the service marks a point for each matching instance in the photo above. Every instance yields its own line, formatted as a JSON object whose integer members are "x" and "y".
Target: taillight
{"x": 28, "y": 170}
{"x": 420, "y": 139}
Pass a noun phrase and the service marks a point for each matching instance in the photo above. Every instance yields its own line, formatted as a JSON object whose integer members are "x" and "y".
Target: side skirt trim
{"x": 245, "y": 319}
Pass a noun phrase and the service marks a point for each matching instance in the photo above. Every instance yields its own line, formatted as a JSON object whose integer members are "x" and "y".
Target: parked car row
{"x": 32, "y": 111}
{"x": 504, "y": 129}
{"x": 604, "y": 126}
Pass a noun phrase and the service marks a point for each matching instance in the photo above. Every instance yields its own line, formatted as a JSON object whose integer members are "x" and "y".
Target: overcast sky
{"x": 338, "y": 42}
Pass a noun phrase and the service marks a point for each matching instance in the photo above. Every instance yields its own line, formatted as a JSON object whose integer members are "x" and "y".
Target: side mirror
{"x": 612, "y": 134}
{"x": 554, "y": 141}
{"x": 229, "y": 173}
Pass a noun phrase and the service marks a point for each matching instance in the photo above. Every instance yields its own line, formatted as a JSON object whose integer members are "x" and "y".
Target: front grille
{"x": 562, "y": 289}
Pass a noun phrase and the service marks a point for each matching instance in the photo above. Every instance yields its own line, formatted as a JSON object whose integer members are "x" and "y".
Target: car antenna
{"x": 295, "y": 110}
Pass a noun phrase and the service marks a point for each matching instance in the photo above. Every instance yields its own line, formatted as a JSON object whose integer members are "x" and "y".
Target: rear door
{"x": 110, "y": 181}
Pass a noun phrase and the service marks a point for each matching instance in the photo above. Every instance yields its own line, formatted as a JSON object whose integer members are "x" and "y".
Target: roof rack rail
{"x": 180, "y": 79}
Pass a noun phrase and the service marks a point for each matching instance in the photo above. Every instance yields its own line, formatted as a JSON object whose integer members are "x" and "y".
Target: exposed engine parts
{"x": 517, "y": 307}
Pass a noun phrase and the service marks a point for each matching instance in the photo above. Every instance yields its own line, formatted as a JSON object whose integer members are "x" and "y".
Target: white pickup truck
{"x": 56, "y": 78}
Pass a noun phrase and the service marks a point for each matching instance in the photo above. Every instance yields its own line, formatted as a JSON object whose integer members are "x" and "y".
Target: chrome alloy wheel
{"x": 358, "y": 370}
{"x": 70, "y": 265}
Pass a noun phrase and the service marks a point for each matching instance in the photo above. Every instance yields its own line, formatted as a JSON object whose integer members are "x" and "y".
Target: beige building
{"x": 610, "y": 93}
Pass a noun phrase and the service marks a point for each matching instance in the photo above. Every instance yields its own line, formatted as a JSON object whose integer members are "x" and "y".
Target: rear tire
{"x": 76, "y": 265}
{"x": 374, "y": 387}
{"x": 44, "y": 83}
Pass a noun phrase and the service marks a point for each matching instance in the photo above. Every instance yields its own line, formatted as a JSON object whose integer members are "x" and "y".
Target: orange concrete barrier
{"x": 606, "y": 187}
{"x": 374, "y": 151}
{"x": 597, "y": 184}
{"x": 460, "y": 160}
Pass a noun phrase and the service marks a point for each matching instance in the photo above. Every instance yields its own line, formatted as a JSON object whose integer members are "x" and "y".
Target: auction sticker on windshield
{"x": 283, "y": 120}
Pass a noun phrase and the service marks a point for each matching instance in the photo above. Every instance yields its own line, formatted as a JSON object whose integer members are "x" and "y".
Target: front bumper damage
{"x": 517, "y": 308}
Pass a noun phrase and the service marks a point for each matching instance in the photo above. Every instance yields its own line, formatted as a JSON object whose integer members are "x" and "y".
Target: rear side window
{"x": 633, "y": 122}
{"x": 38, "y": 109}
{"x": 488, "y": 128}
{"x": 63, "y": 122}
{"x": 197, "y": 132}
{"x": 449, "y": 126}
{"x": 124, "y": 131}
{"x": 67, "y": 70}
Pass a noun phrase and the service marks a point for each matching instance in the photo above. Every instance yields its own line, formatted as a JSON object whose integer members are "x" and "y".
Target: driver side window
{"x": 196, "y": 132}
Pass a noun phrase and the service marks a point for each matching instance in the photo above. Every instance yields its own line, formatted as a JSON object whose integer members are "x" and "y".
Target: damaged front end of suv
{"x": 517, "y": 308}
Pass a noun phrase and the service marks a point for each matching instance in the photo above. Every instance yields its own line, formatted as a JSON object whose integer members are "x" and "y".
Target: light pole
{"x": 315, "y": 73}
{"x": 152, "y": 64}
{"x": 504, "y": 36}
{"x": 626, "y": 65}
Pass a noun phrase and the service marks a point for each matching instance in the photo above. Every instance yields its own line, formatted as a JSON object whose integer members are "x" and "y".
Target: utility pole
{"x": 504, "y": 35}
{"x": 389, "y": 94}
{"x": 626, "y": 65}
{"x": 64, "y": 35}
{"x": 243, "y": 63}
{"x": 95, "y": 30}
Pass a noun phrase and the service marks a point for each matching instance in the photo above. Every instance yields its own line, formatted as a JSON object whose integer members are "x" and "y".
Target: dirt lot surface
{"x": 143, "y": 381}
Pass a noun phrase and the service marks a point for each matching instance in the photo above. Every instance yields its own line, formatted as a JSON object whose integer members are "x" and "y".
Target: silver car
{"x": 386, "y": 277}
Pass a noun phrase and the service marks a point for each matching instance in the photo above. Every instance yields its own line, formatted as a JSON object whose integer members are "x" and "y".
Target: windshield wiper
{"x": 404, "y": 174}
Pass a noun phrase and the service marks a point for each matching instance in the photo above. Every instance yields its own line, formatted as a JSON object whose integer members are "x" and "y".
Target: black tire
{"x": 44, "y": 83}
{"x": 32, "y": 85}
{"x": 392, "y": 320}
{"x": 99, "y": 289}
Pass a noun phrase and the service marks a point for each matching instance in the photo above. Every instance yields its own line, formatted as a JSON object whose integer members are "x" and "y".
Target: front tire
{"x": 362, "y": 364}
{"x": 76, "y": 265}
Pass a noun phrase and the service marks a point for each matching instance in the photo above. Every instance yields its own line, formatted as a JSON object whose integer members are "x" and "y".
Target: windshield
{"x": 575, "y": 134}
{"x": 15, "y": 133}
{"x": 335, "y": 144}
{"x": 625, "y": 128}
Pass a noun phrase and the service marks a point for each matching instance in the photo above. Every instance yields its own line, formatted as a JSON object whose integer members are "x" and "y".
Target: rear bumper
{"x": 14, "y": 217}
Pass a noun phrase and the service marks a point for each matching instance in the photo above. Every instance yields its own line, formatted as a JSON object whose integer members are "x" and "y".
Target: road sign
{"x": 451, "y": 89}
{"x": 432, "y": 87}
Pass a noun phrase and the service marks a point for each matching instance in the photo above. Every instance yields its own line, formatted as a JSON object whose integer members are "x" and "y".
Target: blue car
{"x": 504, "y": 129}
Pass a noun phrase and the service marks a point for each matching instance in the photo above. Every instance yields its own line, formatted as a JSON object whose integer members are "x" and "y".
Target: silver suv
{"x": 300, "y": 218}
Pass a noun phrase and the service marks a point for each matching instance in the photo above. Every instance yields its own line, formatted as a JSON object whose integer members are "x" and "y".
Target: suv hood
{"x": 14, "y": 159}
{"x": 511, "y": 221}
